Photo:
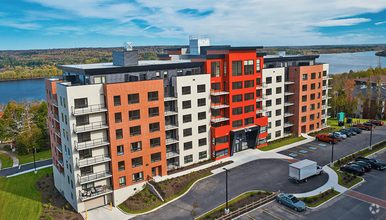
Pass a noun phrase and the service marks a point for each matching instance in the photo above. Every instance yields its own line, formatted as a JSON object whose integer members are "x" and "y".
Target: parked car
{"x": 363, "y": 164}
{"x": 339, "y": 135}
{"x": 291, "y": 201}
{"x": 357, "y": 130}
{"x": 327, "y": 138}
{"x": 364, "y": 126}
{"x": 346, "y": 132}
{"x": 353, "y": 168}
{"x": 375, "y": 163}
{"x": 351, "y": 131}
{"x": 376, "y": 122}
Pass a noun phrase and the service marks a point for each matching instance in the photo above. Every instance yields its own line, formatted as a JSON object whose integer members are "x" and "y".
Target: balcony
{"x": 56, "y": 117}
{"x": 168, "y": 97}
{"x": 172, "y": 154}
{"x": 171, "y": 140}
{"x": 289, "y": 103}
{"x": 89, "y": 109}
{"x": 329, "y": 97}
{"x": 289, "y": 81}
{"x": 289, "y": 92}
{"x": 95, "y": 192}
{"x": 91, "y": 144}
{"x": 90, "y": 127}
{"x": 328, "y": 106}
{"x": 171, "y": 111}
{"x": 216, "y": 92}
{"x": 55, "y": 102}
{"x": 263, "y": 109}
{"x": 94, "y": 177}
{"x": 329, "y": 76}
{"x": 329, "y": 87}
{"x": 172, "y": 166}
{"x": 262, "y": 97}
{"x": 324, "y": 97}
{"x": 219, "y": 119}
{"x": 325, "y": 77}
{"x": 57, "y": 132}
{"x": 219, "y": 106}
{"x": 60, "y": 161}
{"x": 288, "y": 113}
{"x": 59, "y": 147}
{"x": 288, "y": 124}
{"x": 93, "y": 160}
{"x": 324, "y": 87}
{"x": 262, "y": 85}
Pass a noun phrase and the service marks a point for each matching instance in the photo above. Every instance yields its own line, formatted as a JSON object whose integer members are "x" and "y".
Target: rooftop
{"x": 373, "y": 79}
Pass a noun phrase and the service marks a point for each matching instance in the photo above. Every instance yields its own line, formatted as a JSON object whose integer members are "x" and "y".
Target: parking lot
{"x": 321, "y": 151}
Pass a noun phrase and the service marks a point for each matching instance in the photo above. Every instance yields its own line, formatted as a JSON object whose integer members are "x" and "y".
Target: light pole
{"x": 226, "y": 190}
{"x": 371, "y": 135}
{"x": 33, "y": 151}
{"x": 332, "y": 155}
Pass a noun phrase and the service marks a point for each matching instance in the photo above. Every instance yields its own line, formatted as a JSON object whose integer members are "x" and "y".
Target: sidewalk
{"x": 15, "y": 160}
{"x": 309, "y": 139}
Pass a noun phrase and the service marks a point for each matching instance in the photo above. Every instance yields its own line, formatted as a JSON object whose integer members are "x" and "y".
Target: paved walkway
{"x": 366, "y": 198}
{"x": 15, "y": 160}
{"x": 105, "y": 213}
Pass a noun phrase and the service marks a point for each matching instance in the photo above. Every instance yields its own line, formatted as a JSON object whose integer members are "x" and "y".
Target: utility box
{"x": 340, "y": 116}
{"x": 349, "y": 120}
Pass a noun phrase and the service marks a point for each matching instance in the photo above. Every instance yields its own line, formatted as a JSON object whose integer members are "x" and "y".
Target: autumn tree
{"x": 369, "y": 96}
{"x": 349, "y": 87}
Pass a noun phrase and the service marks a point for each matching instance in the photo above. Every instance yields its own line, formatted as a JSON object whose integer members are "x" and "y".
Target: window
{"x": 134, "y": 115}
{"x": 80, "y": 120}
{"x": 257, "y": 65}
{"x": 201, "y": 142}
{"x": 304, "y": 108}
{"x": 156, "y": 157}
{"x": 186, "y": 90}
{"x": 237, "y": 98}
{"x": 136, "y": 162}
{"x": 258, "y": 93}
{"x": 237, "y": 124}
{"x": 248, "y": 121}
{"x": 304, "y": 88}
{"x": 186, "y": 104}
{"x": 153, "y": 112}
{"x": 201, "y": 102}
{"x": 215, "y": 68}
{"x": 118, "y": 117}
{"x": 278, "y": 112}
{"x": 76, "y": 117}
{"x": 118, "y": 134}
{"x": 155, "y": 142}
{"x": 263, "y": 129}
{"x": 221, "y": 153}
{"x": 258, "y": 81}
{"x": 248, "y": 67}
{"x": 117, "y": 100}
{"x": 133, "y": 98}
{"x": 278, "y": 90}
{"x": 304, "y": 119}
{"x": 248, "y": 96}
{"x": 220, "y": 140}
{"x": 318, "y": 105}
{"x": 216, "y": 99}
{"x": 277, "y": 133}
{"x": 248, "y": 109}
{"x": 188, "y": 145}
{"x": 249, "y": 84}
{"x": 278, "y": 101}
{"x": 312, "y": 117}
{"x": 61, "y": 102}
{"x": 269, "y": 125}
{"x": 278, "y": 79}
{"x": 318, "y": 116}
{"x": 137, "y": 177}
{"x": 186, "y": 118}
{"x": 304, "y": 76}
{"x": 313, "y": 75}
{"x": 201, "y": 115}
{"x": 237, "y": 85}
{"x": 268, "y": 91}
{"x": 99, "y": 79}
{"x": 152, "y": 96}
{"x": 225, "y": 68}
{"x": 65, "y": 118}
{"x": 188, "y": 159}
{"x": 122, "y": 181}
{"x": 135, "y": 131}
{"x": 313, "y": 86}
{"x": 83, "y": 137}
{"x": 187, "y": 132}
{"x": 268, "y": 103}
{"x": 216, "y": 112}
{"x": 268, "y": 114}
{"x": 136, "y": 146}
{"x": 154, "y": 127}
{"x": 201, "y": 129}
{"x": 165, "y": 74}
{"x": 121, "y": 166}
{"x": 216, "y": 86}
{"x": 64, "y": 102}
{"x": 268, "y": 80}
{"x": 313, "y": 96}
{"x": 278, "y": 123}
{"x": 318, "y": 95}
{"x": 236, "y": 68}
{"x": 304, "y": 98}
{"x": 120, "y": 150}
{"x": 157, "y": 74}
{"x": 202, "y": 155}
{"x": 319, "y": 75}
{"x": 200, "y": 88}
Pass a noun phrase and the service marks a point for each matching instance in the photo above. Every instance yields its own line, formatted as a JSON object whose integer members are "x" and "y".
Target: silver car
{"x": 291, "y": 201}
{"x": 339, "y": 135}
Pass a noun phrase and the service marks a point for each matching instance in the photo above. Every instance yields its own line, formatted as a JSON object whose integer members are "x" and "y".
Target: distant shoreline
{"x": 33, "y": 78}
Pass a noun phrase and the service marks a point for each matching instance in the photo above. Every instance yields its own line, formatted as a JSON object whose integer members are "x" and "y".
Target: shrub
{"x": 259, "y": 192}
{"x": 221, "y": 210}
{"x": 233, "y": 209}
{"x": 315, "y": 198}
{"x": 252, "y": 194}
{"x": 154, "y": 199}
{"x": 146, "y": 200}
{"x": 63, "y": 210}
{"x": 143, "y": 186}
{"x": 56, "y": 210}
{"x": 207, "y": 216}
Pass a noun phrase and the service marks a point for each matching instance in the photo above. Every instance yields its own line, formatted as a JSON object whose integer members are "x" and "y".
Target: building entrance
{"x": 241, "y": 143}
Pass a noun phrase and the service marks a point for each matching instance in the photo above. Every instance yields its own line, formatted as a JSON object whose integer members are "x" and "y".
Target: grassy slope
{"x": 19, "y": 199}
{"x": 39, "y": 156}
{"x": 6, "y": 162}
{"x": 282, "y": 143}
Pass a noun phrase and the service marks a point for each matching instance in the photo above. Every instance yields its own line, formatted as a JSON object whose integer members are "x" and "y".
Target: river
{"x": 339, "y": 63}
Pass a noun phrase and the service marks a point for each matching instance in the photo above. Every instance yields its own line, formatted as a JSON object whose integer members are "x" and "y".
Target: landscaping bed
{"x": 236, "y": 203}
{"x": 314, "y": 201}
{"x": 180, "y": 169}
{"x": 281, "y": 142}
{"x": 54, "y": 204}
{"x": 323, "y": 131}
{"x": 168, "y": 189}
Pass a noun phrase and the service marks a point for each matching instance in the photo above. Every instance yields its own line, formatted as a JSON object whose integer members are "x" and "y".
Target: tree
{"x": 369, "y": 95}
{"x": 194, "y": 212}
{"x": 378, "y": 98}
{"x": 28, "y": 140}
{"x": 349, "y": 87}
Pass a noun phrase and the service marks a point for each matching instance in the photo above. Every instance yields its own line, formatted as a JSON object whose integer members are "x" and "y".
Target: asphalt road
{"x": 24, "y": 167}
{"x": 321, "y": 151}
{"x": 265, "y": 174}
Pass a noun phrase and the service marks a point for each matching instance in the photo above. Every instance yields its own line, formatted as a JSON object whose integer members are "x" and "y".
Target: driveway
{"x": 24, "y": 167}
{"x": 265, "y": 174}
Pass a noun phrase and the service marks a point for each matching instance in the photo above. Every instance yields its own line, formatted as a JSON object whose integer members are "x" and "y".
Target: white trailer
{"x": 302, "y": 170}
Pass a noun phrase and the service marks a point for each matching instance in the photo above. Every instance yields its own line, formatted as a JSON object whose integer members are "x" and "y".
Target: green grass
{"x": 340, "y": 179}
{"x": 281, "y": 144}
{"x": 6, "y": 162}
{"x": 38, "y": 156}
{"x": 19, "y": 199}
{"x": 333, "y": 123}
{"x": 126, "y": 209}
{"x": 335, "y": 193}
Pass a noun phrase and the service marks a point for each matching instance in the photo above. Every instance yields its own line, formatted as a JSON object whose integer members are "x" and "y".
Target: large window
{"x": 120, "y": 150}
{"x": 278, "y": 79}
{"x": 187, "y": 132}
{"x": 200, "y": 88}
{"x": 136, "y": 162}
{"x": 268, "y": 103}
{"x": 257, "y": 65}
{"x": 278, "y": 101}
{"x": 304, "y": 88}
{"x": 155, "y": 142}
{"x": 237, "y": 68}
{"x": 248, "y": 96}
{"x": 118, "y": 134}
{"x": 237, "y": 111}
{"x": 186, "y": 104}
{"x": 201, "y": 102}
{"x": 248, "y": 109}
{"x": 313, "y": 75}
{"x": 118, "y": 117}
{"x": 188, "y": 145}
{"x": 117, "y": 100}
{"x": 248, "y": 67}
{"x": 202, "y": 155}
{"x": 220, "y": 140}
{"x": 237, "y": 124}
{"x": 304, "y": 98}
{"x": 134, "y": 115}
{"x": 313, "y": 86}
{"x": 188, "y": 159}
{"x": 216, "y": 86}
{"x": 186, "y": 90}
{"x": 221, "y": 153}
{"x": 201, "y": 129}
{"x": 312, "y": 96}
{"x": 304, "y": 108}
{"x": 304, "y": 76}
{"x": 121, "y": 165}
{"x": 237, "y": 98}
{"x": 268, "y": 80}
{"x": 312, "y": 117}
{"x": 137, "y": 177}
{"x": 135, "y": 131}
{"x": 237, "y": 85}
{"x": 156, "y": 157}
{"x": 249, "y": 83}
{"x": 268, "y": 91}
{"x": 154, "y": 127}
{"x": 133, "y": 98}
{"x": 186, "y": 118}
{"x": 248, "y": 121}
{"x": 153, "y": 112}
{"x": 152, "y": 96}
{"x": 278, "y": 90}
{"x": 81, "y": 103}
{"x": 122, "y": 181}
{"x": 215, "y": 68}
{"x": 202, "y": 142}
{"x": 278, "y": 123}
{"x": 304, "y": 119}
{"x": 278, "y": 112}
{"x": 201, "y": 115}
{"x": 136, "y": 146}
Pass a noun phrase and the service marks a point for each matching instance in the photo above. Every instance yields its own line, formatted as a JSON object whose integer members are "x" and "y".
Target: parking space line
{"x": 251, "y": 217}
{"x": 296, "y": 152}
{"x": 271, "y": 214}
{"x": 291, "y": 212}
{"x": 368, "y": 174}
{"x": 316, "y": 146}
{"x": 305, "y": 149}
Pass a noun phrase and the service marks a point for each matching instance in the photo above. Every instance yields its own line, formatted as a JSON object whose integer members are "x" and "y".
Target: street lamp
{"x": 371, "y": 135}
{"x": 332, "y": 155}
{"x": 226, "y": 189}
{"x": 33, "y": 151}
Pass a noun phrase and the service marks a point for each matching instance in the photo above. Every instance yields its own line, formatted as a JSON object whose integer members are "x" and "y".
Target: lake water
{"x": 339, "y": 63}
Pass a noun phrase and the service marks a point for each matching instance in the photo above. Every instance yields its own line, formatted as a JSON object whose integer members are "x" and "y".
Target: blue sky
{"x": 40, "y": 24}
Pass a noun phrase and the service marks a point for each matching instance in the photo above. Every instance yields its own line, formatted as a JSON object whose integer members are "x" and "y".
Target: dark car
{"x": 376, "y": 122}
{"x": 353, "y": 168}
{"x": 363, "y": 164}
{"x": 357, "y": 130}
{"x": 346, "y": 132}
{"x": 291, "y": 201}
{"x": 375, "y": 164}
{"x": 370, "y": 124}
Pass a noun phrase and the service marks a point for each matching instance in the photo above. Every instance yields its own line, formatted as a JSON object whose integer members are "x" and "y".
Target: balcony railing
{"x": 94, "y": 192}
{"x": 325, "y": 77}
{"x": 289, "y": 92}
{"x": 171, "y": 126}
{"x": 219, "y": 106}
{"x": 329, "y": 76}
{"x": 56, "y": 117}
{"x": 263, "y": 109}
{"x": 173, "y": 111}
{"x": 90, "y": 127}
{"x": 57, "y": 132}
{"x": 329, "y": 87}
{"x": 216, "y": 92}
{"x": 288, "y": 124}
{"x": 60, "y": 161}
{"x": 168, "y": 97}
{"x": 172, "y": 154}
{"x": 219, "y": 119}
{"x": 93, "y": 160}
{"x": 94, "y": 176}
{"x": 324, "y": 97}
{"x": 171, "y": 140}
{"x": 172, "y": 166}
{"x": 59, "y": 147}
{"x": 262, "y": 85}
{"x": 324, "y": 87}
{"x": 262, "y": 97}
{"x": 288, "y": 103}
{"x": 89, "y": 109}
{"x": 55, "y": 102}
{"x": 91, "y": 144}
{"x": 288, "y": 113}
{"x": 289, "y": 81}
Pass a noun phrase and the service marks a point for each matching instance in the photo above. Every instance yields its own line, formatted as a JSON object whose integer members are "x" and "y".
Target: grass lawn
{"x": 19, "y": 199}
{"x": 281, "y": 144}
{"x": 332, "y": 122}
{"x": 38, "y": 156}
{"x": 6, "y": 161}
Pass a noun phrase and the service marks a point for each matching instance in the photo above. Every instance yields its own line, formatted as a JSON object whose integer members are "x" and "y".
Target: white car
{"x": 339, "y": 135}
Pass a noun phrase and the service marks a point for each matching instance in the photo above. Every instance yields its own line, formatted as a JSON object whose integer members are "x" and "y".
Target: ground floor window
{"x": 188, "y": 159}
{"x": 122, "y": 181}
{"x": 137, "y": 177}
{"x": 277, "y": 134}
{"x": 202, "y": 155}
{"x": 262, "y": 141}
{"x": 221, "y": 153}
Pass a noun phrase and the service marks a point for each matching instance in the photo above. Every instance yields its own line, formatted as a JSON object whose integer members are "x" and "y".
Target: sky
{"x": 42, "y": 24}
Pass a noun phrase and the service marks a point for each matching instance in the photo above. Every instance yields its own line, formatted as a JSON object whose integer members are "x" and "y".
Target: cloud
{"x": 379, "y": 23}
{"x": 18, "y": 25}
{"x": 342, "y": 22}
